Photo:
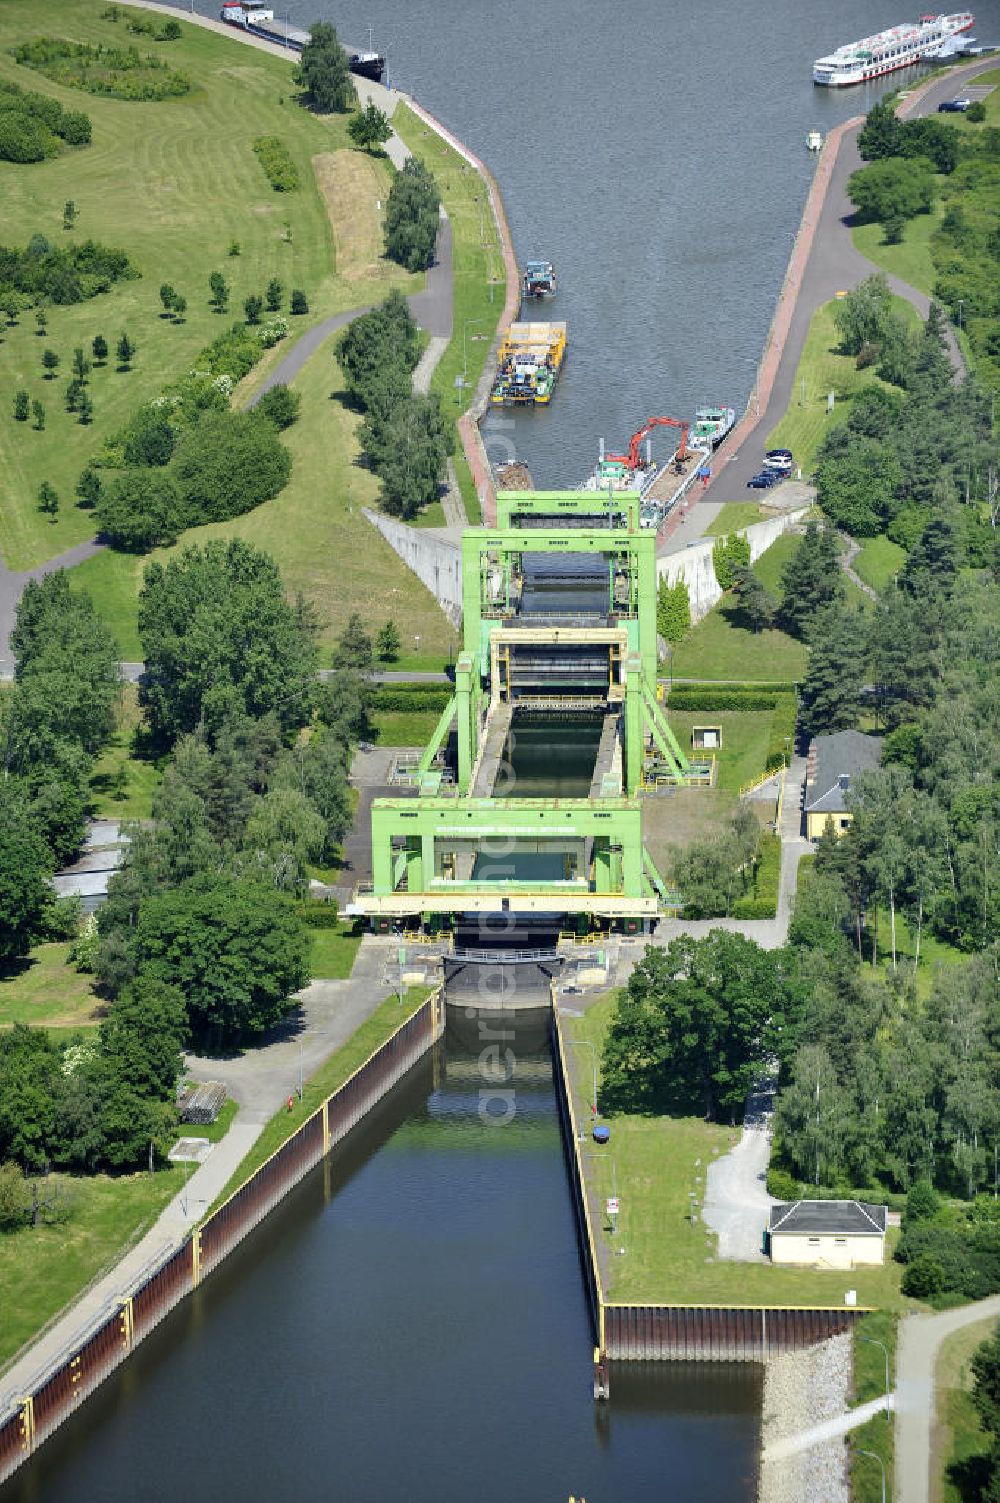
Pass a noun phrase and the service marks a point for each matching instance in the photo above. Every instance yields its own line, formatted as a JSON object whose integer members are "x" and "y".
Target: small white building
{"x": 827, "y": 1233}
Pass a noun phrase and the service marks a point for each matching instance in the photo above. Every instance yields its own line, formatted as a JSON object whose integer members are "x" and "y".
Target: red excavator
{"x": 632, "y": 458}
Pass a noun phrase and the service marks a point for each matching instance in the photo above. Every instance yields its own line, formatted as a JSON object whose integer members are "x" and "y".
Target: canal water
{"x": 656, "y": 153}
{"x": 409, "y": 1324}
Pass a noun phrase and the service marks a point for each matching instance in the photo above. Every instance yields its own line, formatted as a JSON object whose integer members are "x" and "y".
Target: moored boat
{"x": 897, "y": 47}
{"x": 710, "y": 426}
{"x": 539, "y": 279}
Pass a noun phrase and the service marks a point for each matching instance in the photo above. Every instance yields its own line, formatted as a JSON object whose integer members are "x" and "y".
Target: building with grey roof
{"x": 834, "y": 764}
{"x": 828, "y": 1233}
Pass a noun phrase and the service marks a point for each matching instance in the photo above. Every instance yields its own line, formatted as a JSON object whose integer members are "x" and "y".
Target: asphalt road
{"x": 833, "y": 265}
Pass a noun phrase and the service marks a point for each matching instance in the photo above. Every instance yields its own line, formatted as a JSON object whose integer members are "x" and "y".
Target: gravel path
{"x": 803, "y": 1390}
{"x": 736, "y": 1199}
{"x": 851, "y": 550}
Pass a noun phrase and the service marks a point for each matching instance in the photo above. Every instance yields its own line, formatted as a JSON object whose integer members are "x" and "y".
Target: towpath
{"x": 824, "y": 262}
{"x": 260, "y": 1080}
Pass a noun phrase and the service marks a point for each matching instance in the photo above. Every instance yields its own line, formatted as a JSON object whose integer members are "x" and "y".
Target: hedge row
{"x": 724, "y": 699}
{"x": 319, "y": 915}
{"x": 391, "y": 697}
{"x": 762, "y": 903}
{"x": 273, "y": 155}
{"x": 782, "y": 738}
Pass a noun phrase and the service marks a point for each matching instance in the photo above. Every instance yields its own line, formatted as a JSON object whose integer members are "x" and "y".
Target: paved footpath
{"x": 920, "y": 1337}
{"x": 823, "y": 263}
{"x": 260, "y": 1081}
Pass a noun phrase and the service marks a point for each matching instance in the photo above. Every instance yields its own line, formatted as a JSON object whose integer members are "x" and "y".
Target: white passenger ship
{"x": 898, "y": 47}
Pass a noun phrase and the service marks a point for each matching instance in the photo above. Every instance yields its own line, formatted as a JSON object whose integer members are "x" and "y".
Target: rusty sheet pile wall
{"x": 712, "y": 1333}
{"x": 64, "y": 1390}
{"x": 680, "y": 1333}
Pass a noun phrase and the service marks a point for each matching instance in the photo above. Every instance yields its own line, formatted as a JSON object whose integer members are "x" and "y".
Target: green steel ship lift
{"x": 435, "y": 856}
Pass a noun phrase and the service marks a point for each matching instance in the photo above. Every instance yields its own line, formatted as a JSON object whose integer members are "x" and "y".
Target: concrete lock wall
{"x": 63, "y": 1390}
{"x": 435, "y": 560}
{"x": 694, "y": 564}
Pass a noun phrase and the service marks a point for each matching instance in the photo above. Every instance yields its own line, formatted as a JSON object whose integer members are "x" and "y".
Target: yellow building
{"x": 834, "y": 762}
{"x": 827, "y": 1233}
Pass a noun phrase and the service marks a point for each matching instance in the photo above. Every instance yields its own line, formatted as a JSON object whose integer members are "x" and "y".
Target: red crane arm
{"x": 656, "y": 422}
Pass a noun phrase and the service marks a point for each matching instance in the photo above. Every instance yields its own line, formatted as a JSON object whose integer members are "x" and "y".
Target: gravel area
{"x": 801, "y": 1389}
{"x": 736, "y": 1199}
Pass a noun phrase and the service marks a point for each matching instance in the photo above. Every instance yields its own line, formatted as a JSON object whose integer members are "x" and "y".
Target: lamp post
{"x": 753, "y": 390}
{"x": 469, "y": 322}
{"x": 875, "y": 1457}
{"x": 586, "y": 1044}
{"x": 288, "y": 12}
{"x": 871, "y": 1340}
{"x": 961, "y": 305}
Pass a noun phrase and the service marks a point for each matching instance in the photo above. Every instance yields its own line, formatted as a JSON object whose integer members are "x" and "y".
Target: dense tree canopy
{"x": 218, "y": 636}
{"x": 235, "y": 950}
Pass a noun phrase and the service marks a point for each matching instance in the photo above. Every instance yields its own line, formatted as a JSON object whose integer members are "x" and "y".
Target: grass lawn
{"x": 820, "y": 371}
{"x": 660, "y": 1162}
{"x": 479, "y": 278}
{"x": 331, "y": 1074}
{"x": 719, "y": 649}
{"x": 910, "y": 261}
{"x": 45, "y": 990}
{"x": 933, "y": 952}
{"x": 44, "y": 1268}
{"x": 869, "y": 1383}
{"x": 879, "y": 560}
{"x": 172, "y": 182}
{"x": 958, "y": 1440}
{"x": 309, "y": 530}
{"x": 333, "y": 952}
{"x": 143, "y": 778}
{"x": 404, "y": 727}
{"x": 733, "y": 516}
{"x": 213, "y": 1131}
{"x": 745, "y": 735}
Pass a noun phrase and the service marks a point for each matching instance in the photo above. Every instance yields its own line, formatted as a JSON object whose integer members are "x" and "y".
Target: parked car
{"x": 785, "y": 454}
{"x": 764, "y": 479}
{"x": 954, "y": 106}
{"x": 781, "y": 467}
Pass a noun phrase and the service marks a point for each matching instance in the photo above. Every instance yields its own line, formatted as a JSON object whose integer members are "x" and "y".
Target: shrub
{"x": 228, "y": 463}
{"x": 319, "y": 915}
{"x": 67, "y": 274}
{"x": 922, "y": 1202}
{"x": 729, "y": 554}
{"x": 402, "y": 698}
{"x": 149, "y": 439}
{"x": 279, "y": 169}
{"x": 280, "y": 406}
{"x": 23, "y": 139}
{"x": 782, "y": 1185}
{"x": 116, "y": 72}
{"x": 142, "y": 510}
{"x": 299, "y": 302}
{"x": 976, "y": 113}
{"x": 32, "y": 125}
{"x": 923, "y": 1277}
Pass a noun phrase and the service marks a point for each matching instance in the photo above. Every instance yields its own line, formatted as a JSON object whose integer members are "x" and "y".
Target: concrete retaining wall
{"x": 435, "y": 560}
{"x": 694, "y": 564}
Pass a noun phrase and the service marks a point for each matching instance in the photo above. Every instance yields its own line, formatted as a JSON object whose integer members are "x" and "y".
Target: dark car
{"x": 785, "y": 454}
{"x": 954, "y": 106}
{"x": 764, "y": 479}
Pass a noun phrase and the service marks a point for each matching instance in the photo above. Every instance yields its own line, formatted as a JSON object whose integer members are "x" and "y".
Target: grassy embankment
{"x": 959, "y": 1444}
{"x": 478, "y": 274}
{"x": 45, "y": 1268}
{"x": 173, "y": 183}
{"x": 670, "y": 1258}
{"x": 331, "y": 1074}
{"x": 734, "y": 516}
{"x": 869, "y": 1383}
{"x": 822, "y": 370}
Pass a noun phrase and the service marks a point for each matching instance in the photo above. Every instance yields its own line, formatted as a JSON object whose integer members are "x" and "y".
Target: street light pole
{"x": 754, "y": 391}
{"x": 961, "y": 305}
{"x": 871, "y": 1340}
{"x": 469, "y": 322}
{"x": 875, "y": 1457}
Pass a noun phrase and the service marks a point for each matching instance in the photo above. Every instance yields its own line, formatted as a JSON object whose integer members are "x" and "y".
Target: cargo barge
{"x": 528, "y": 364}
{"x": 256, "y": 17}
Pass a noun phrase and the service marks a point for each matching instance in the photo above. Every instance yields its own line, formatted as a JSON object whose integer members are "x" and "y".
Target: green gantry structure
{"x": 559, "y": 619}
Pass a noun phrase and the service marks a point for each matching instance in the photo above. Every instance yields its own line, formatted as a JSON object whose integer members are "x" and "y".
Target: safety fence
{"x": 63, "y": 1391}
{"x": 681, "y": 1332}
